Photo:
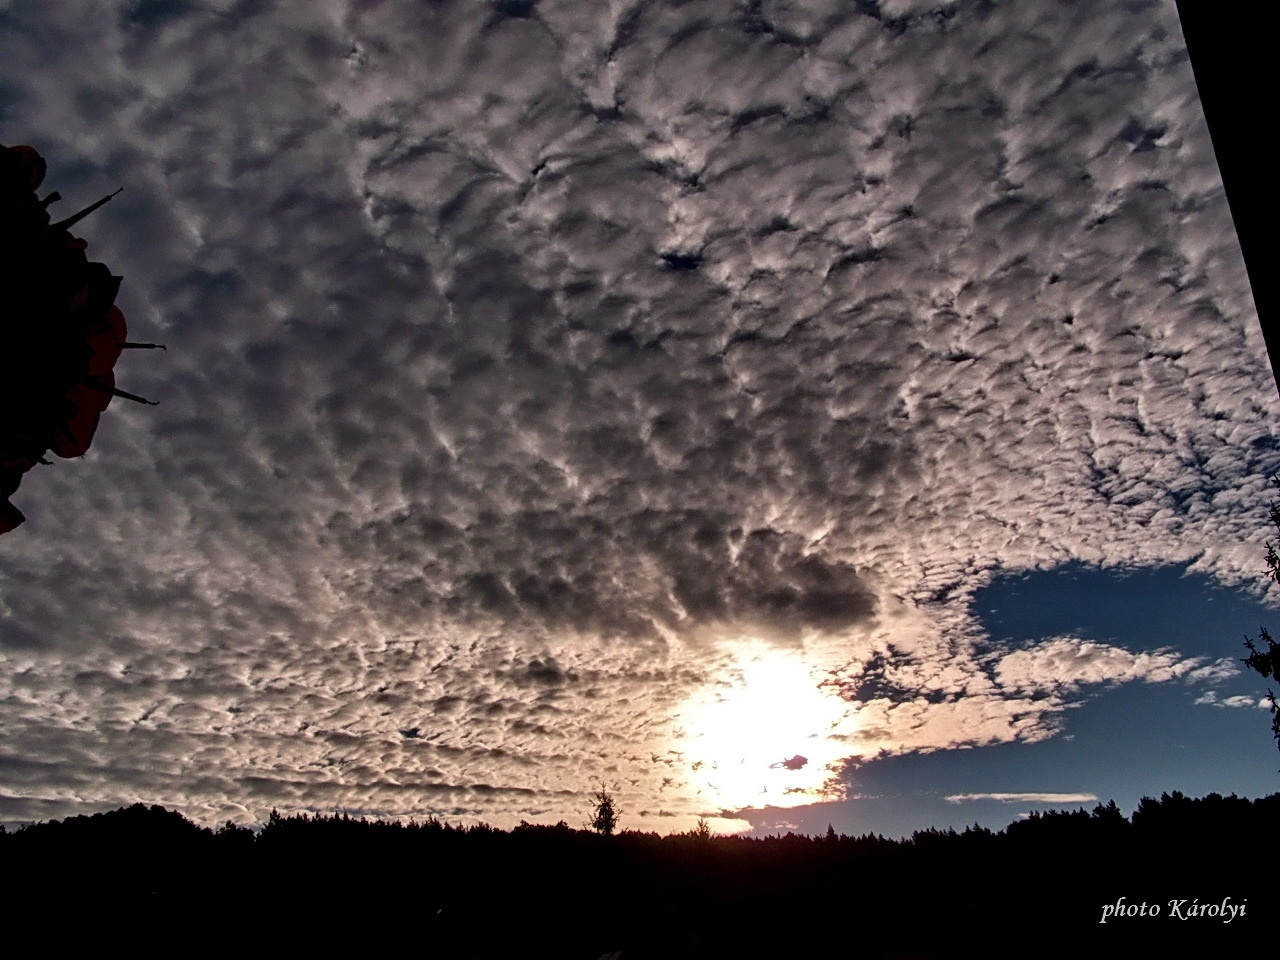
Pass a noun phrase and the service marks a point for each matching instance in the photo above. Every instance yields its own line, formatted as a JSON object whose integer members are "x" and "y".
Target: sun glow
{"x": 768, "y": 734}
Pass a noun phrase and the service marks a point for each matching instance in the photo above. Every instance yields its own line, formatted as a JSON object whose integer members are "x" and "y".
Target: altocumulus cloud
{"x": 528, "y": 360}
{"x": 1065, "y": 662}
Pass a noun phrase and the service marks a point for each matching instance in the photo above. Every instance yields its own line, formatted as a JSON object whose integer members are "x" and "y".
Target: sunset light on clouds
{"x": 710, "y": 400}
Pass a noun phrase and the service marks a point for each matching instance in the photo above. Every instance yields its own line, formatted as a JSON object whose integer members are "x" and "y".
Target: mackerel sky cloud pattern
{"x": 536, "y": 368}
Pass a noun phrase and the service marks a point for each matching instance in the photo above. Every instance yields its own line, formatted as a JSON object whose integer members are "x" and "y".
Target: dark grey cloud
{"x": 527, "y": 360}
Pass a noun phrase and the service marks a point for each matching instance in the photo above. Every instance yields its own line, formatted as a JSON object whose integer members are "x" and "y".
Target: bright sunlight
{"x": 766, "y": 734}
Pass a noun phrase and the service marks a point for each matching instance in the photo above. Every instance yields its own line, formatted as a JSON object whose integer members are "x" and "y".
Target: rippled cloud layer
{"x": 554, "y": 387}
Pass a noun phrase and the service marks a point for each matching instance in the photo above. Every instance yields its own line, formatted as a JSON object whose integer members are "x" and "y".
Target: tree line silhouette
{"x": 150, "y": 876}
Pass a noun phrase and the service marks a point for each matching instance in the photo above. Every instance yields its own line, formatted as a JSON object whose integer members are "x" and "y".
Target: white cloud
{"x": 1068, "y": 662}
{"x": 1056, "y": 798}
{"x": 521, "y": 368}
{"x": 1211, "y": 698}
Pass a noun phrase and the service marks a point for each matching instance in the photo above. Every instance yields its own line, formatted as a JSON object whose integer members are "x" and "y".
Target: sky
{"x": 783, "y": 413}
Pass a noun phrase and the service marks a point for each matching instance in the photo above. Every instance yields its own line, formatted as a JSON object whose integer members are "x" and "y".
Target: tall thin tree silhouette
{"x": 1267, "y": 661}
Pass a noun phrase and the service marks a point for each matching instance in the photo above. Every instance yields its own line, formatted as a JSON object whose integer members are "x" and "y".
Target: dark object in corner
{"x": 61, "y": 328}
{"x": 1232, "y": 61}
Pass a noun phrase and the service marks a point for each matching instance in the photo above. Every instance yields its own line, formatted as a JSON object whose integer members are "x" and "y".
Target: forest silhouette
{"x": 148, "y": 877}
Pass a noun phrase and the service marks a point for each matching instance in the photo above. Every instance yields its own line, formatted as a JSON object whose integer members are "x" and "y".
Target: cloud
{"x": 1056, "y": 798}
{"x": 1067, "y": 662}
{"x": 525, "y": 371}
{"x": 1211, "y": 698}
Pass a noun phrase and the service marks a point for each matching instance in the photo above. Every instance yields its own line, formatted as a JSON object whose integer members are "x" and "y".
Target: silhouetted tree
{"x": 1267, "y": 662}
{"x": 605, "y": 813}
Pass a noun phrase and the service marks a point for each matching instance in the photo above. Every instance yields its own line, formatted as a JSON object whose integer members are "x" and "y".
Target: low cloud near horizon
{"x": 1024, "y": 797}
{"x": 537, "y": 372}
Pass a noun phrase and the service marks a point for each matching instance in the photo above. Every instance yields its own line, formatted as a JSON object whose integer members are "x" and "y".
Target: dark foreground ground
{"x": 149, "y": 881}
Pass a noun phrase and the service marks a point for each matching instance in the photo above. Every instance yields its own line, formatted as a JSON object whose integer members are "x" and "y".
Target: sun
{"x": 767, "y": 733}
